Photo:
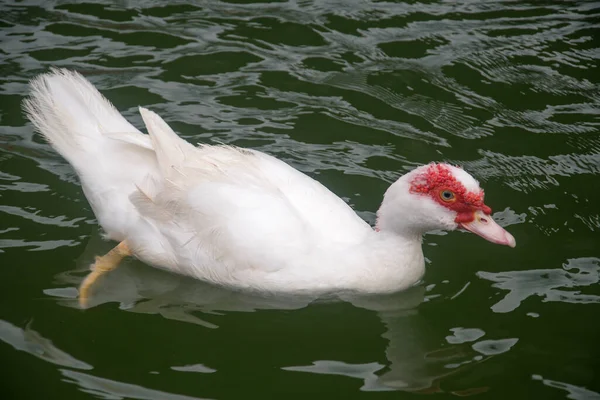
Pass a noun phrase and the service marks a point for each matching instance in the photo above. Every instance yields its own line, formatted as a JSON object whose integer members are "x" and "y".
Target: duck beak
{"x": 484, "y": 226}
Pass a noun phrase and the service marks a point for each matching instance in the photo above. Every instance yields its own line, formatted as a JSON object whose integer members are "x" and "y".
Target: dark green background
{"x": 354, "y": 93}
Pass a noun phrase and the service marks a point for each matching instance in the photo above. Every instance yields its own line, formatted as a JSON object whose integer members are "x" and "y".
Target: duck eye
{"x": 447, "y": 195}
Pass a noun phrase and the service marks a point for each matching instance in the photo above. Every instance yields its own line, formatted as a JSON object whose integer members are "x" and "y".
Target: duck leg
{"x": 103, "y": 264}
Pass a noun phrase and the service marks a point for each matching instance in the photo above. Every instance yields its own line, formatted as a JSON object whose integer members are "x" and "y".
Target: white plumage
{"x": 223, "y": 214}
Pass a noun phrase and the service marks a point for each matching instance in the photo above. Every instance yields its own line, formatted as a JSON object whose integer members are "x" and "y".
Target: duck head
{"x": 439, "y": 196}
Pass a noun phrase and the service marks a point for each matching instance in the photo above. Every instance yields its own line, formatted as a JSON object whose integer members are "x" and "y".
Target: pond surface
{"x": 353, "y": 93}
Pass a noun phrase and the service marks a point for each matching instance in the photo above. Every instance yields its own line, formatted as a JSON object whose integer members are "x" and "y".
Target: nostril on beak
{"x": 483, "y": 220}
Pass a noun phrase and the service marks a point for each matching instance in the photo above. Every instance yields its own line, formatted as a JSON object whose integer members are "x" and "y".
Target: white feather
{"x": 82, "y": 125}
{"x": 223, "y": 214}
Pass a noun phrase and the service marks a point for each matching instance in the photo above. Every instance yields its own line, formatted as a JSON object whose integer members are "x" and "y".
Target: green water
{"x": 352, "y": 93}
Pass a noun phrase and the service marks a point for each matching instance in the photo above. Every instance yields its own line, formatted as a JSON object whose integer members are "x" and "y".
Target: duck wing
{"x": 234, "y": 207}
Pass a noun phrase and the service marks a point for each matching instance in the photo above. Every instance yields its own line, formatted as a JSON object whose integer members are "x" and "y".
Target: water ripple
{"x": 354, "y": 93}
{"x": 545, "y": 283}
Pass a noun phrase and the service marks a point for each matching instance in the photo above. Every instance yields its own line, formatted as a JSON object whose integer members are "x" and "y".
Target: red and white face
{"x": 455, "y": 190}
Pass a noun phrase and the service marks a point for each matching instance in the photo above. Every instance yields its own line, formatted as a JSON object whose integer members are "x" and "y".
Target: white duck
{"x": 239, "y": 217}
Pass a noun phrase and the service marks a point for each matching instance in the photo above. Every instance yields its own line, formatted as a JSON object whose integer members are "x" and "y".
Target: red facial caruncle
{"x": 439, "y": 183}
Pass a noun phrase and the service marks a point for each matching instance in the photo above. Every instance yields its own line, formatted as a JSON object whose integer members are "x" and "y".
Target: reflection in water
{"x": 411, "y": 367}
{"x": 576, "y": 272}
{"x": 35, "y": 245}
{"x": 462, "y": 335}
{"x": 419, "y": 362}
{"x": 109, "y": 389}
{"x": 203, "y": 369}
{"x": 35, "y": 344}
{"x": 366, "y": 372}
{"x": 575, "y": 392}
{"x": 416, "y": 361}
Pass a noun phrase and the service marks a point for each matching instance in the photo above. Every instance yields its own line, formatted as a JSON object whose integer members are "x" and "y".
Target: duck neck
{"x": 387, "y": 262}
{"x": 404, "y": 214}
